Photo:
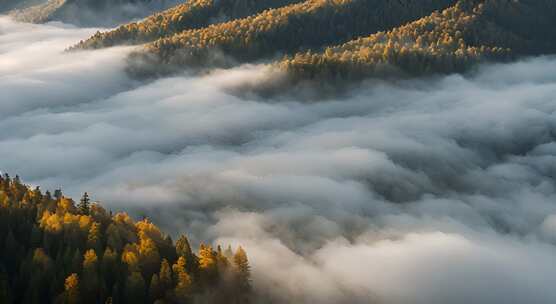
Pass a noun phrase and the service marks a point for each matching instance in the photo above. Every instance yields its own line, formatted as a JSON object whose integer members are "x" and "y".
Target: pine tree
{"x": 135, "y": 288}
{"x": 58, "y": 194}
{"x": 84, "y": 204}
{"x": 90, "y": 285}
{"x": 183, "y": 248}
{"x": 155, "y": 289}
{"x": 165, "y": 275}
{"x": 94, "y": 237}
{"x": 149, "y": 257}
{"x": 109, "y": 266}
{"x": 207, "y": 265}
{"x": 243, "y": 270}
{"x": 11, "y": 252}
{"x": 183, "y": 286}
{"x": 71, "y": 286}
{"x": 76, "y": 261}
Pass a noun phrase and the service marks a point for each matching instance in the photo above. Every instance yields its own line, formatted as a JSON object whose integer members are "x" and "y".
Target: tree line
{"x": 191, "y": 14}
{"x": 58, "y": 251}
{"x": 339, "y": 39}
{"x": 291, "y": 28}
{"x": 447, "y": 41}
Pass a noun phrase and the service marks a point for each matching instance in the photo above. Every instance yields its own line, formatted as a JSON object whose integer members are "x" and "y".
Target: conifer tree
{"x": 183, "y": 286}
{"x": 58, "y": 194}
{"x": 135, "y": 288}
{"x": 90, "y": 284}
{"x": 71, "y": 286}
{"x": 109, "y": 266}
{"x": 243, "y": 270}
{"x": 155, "y": 289}
{"x": 165, "y": 275}
{"x": 94, "y": 237}
{"x": 183, "y": 248}
{"x": 207, "y": 264}
{"x": 84, "y": 204}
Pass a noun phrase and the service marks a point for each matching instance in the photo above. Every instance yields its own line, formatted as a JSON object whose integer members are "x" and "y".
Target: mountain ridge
{"x": 349, "y": 38}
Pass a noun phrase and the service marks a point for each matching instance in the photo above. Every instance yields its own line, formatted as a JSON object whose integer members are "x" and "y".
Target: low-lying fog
{"x": 427, "y": 192}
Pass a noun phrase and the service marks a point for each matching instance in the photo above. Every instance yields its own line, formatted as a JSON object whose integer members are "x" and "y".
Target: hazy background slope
{"x": 89, "y": 12}
{"x": 427, "y": 191}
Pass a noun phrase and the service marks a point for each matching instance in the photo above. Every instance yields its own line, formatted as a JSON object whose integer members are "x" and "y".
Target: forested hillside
{"x": 56, "y": 251}
{"x": 88, "y": 12}
{"x": 448, "y": 41}
{"x": 188, "y": 15}
{"x": 310, "y": 24}
{"x": 338, "y": 38}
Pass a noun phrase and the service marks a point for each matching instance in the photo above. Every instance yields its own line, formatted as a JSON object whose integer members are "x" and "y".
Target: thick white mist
{"x": 429, "y": 191}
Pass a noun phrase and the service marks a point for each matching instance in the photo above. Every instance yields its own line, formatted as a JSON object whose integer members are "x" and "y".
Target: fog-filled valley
{"x": 431, "y": 190}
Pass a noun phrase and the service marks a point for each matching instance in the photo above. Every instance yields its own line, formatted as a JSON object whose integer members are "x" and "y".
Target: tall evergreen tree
{"x": 84, "y": 204}
{"x": 72, "y": 294}
{"x": 243, "y": 270}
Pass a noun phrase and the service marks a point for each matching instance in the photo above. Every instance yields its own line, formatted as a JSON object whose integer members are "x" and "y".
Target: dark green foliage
{"x": 338, "y": 39}
{"x": 84, "y": 12}
{"x": 55, "y": 252}
{"x": 310, "y": 24}
{"x": 84, "y": 204}
{"x": 191, "y": 14}
{"x": 448, "y": 41}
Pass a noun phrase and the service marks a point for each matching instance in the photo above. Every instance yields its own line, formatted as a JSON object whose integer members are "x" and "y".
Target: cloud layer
{"x": 431, "y": 191}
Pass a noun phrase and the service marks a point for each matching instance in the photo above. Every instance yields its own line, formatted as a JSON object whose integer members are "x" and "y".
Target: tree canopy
{"x": 57, "y": 252}
{"x": 447, "y": 41}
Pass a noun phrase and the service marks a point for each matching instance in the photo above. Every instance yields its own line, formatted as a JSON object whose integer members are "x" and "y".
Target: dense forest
{"x": 59, "y": 251}
{"x": 347, "y": 39}
{"x": 88, "y": 12}
{"x": 371, "y": 38}
{"x": 310, "y": 24}
{"x": 188, "y": 15}
{"x": 448, "y": 41}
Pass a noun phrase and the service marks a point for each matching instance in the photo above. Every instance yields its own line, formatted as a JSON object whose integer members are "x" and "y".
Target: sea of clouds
{"x": 422, "y": 192}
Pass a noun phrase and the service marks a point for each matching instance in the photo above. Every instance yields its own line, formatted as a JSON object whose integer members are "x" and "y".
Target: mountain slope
{"x": 88, "y": 12}
{"x": 346, "y": 38}
{"x": 189, "y": 15}
{"x": 444, "y": 42}
{"x": 54, "y": 251}
{"x": 310, "y": 24}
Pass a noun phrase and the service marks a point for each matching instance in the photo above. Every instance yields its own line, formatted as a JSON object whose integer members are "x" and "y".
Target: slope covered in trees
{"x": 310, "y": 24}
{"x": 188, "y": 15}
{"x": 339, "y": 38}
{"x": 448, "y": 41}
{"x": 56, "y": 251}
{"x": 88, "y": 12}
